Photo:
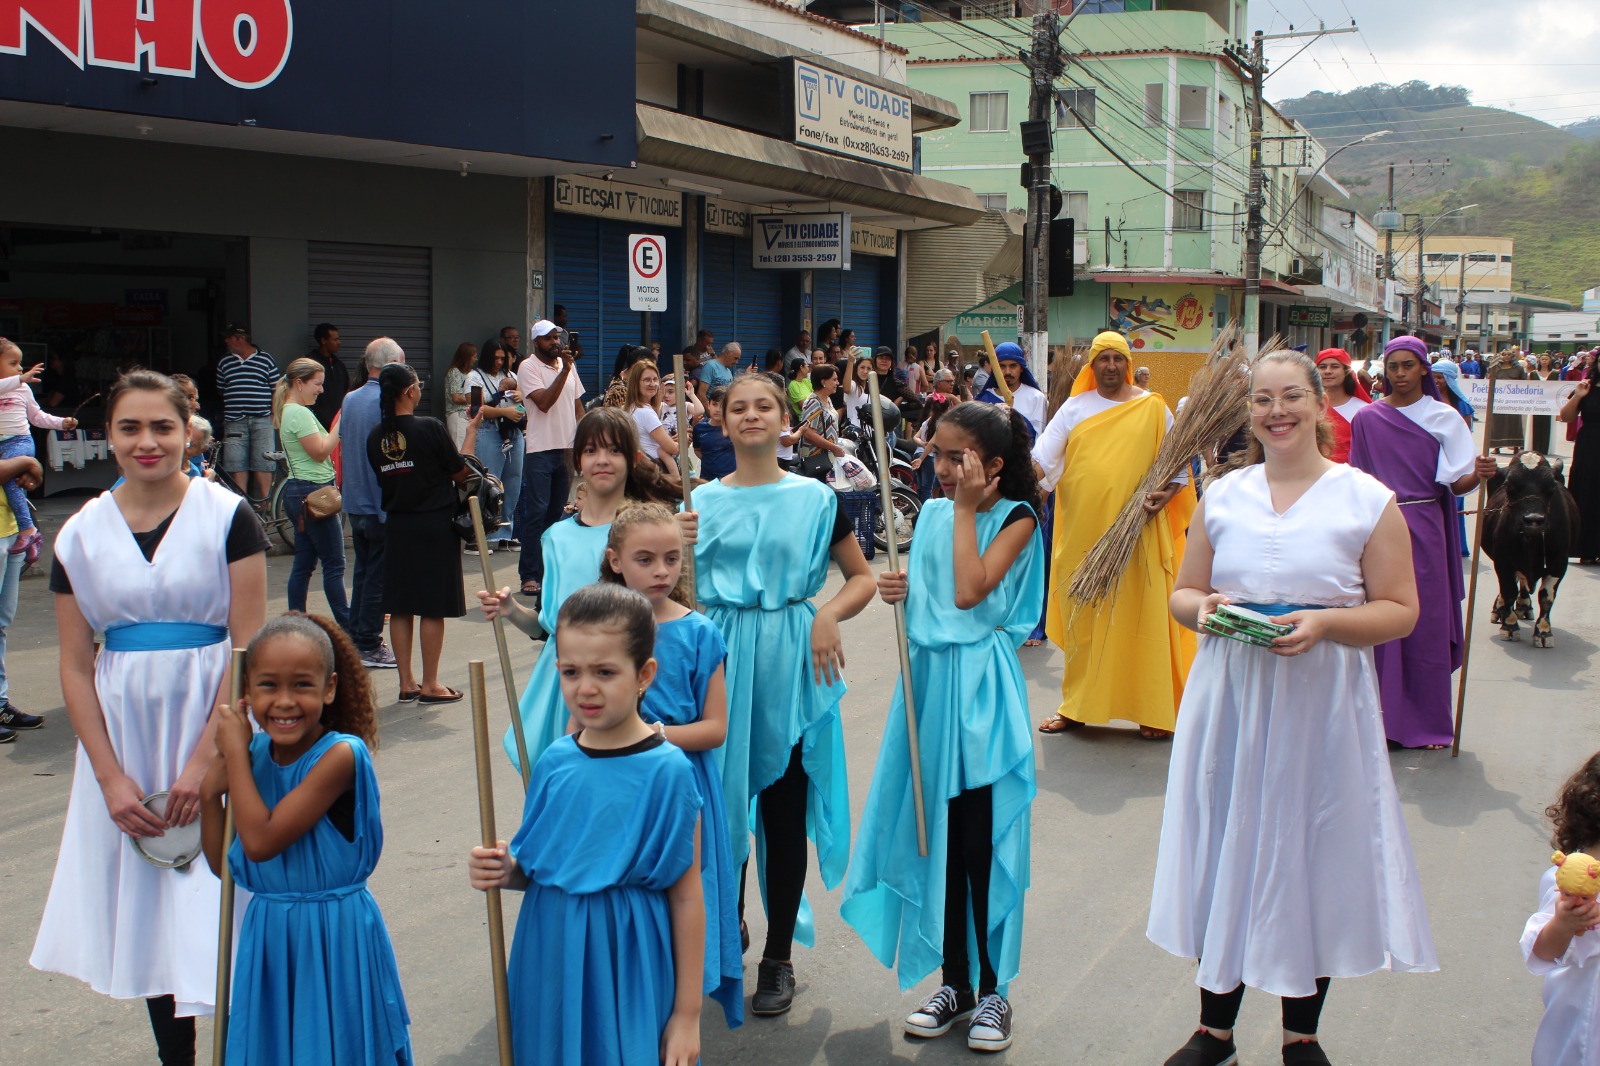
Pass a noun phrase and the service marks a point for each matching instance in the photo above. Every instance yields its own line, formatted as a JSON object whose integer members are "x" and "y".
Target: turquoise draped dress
{"x": 973, "y": 729}
{"x": 603, "y": 836}
{"x": 572, "y": 556}
{"x": 314, "y": 978}
{"x": 688, "y": 652}
{"x": 763, "y": 552}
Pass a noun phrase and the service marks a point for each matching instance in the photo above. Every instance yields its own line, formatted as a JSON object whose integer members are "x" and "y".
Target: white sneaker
{"x": 939, "y": 1013}
{"x": 472, "y": 549}
{"x": 991, "y": 1024}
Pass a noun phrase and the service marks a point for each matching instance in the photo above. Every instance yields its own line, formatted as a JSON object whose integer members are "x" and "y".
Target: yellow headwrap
{"x": 1108, "y": 339}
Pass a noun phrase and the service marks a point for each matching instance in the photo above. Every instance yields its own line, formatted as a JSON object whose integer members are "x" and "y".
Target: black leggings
{"x": 1221, "y": 1010}
{"x": 782, "y": 807}
{"x": 967, "y": 860}
{"x": 174, "y": 1035}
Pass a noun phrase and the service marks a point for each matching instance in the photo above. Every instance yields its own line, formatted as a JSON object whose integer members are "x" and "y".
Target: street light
{"x": 1422, "y": 234}
{"x": 1325, "y": 161}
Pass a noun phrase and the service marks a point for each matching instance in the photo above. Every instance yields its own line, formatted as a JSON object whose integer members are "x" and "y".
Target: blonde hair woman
{"x": 308, "y": 449}
{"x": 644, "y": 405}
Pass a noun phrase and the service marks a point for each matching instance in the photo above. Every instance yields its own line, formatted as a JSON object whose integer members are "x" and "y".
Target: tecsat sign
{"x": 800, "y": 242}
{"x": 848, "y": 117}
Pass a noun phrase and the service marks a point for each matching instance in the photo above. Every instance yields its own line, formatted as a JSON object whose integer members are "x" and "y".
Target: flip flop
{"x": 410, "y": 697}
{"x": 1031, "y": 643}
{"x": 530, "y": 588}
{"x": 452, "y": 697}
{"x": 1057, "y": 723}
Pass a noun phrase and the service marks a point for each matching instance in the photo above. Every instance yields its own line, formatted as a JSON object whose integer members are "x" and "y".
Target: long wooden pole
{"x": 685, "y": 440}
{"x": 1000, "y": 385}
{"x": 1472, "y": 580}
{"x": 886, "y": 489}
{"x": 481, "y": 541}
{"x": 219, "y": 1028}
{"x": 497, "y": 921}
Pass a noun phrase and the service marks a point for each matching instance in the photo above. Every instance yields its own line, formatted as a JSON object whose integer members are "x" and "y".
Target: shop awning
{"x": 1223, "y": 280}
{"x": 722, "y": 153}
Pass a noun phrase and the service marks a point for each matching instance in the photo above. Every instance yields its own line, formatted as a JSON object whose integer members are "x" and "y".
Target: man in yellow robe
{"x": 1125, "y": 658}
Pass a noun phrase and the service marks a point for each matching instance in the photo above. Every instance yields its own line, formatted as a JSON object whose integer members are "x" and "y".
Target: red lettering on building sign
{"x": 245, "y": 42}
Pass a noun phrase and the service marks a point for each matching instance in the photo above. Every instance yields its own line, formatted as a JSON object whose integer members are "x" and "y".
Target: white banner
{"x": 580, "y": 195}
{"x": 1519, "y": 397}
{"x": 842, "y": 115}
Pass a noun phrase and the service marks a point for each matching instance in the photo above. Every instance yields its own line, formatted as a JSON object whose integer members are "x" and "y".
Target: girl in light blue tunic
{"x": 688, "y": 704}
{"x": 764, "y": 541}
{"x": 978, "y": 562}
{"x": 315, "y": 978}
{"x": 604, "y": 447}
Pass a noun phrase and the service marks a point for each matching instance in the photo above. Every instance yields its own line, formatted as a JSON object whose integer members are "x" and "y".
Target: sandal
{"x": 1059, "y": 723}
{"x": 531, "y": 588}
{"x": 1147, "y": 732}
{"x": 450, "y": 696}
{"x": 1032, "y": 643}
{"x": 410, "y": 697}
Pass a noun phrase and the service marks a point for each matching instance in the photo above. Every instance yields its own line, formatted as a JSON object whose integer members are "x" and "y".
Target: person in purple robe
{"x": 1421, "y": 448}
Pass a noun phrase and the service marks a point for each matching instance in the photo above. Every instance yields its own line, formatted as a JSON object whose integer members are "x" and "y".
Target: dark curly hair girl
{"x": 353, "y": 709}
{"x": 1002, "y": 433}
{"x": 1575, "y": 814}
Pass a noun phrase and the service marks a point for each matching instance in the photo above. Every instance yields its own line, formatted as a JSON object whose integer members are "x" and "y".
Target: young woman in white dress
{"x": 172, "y": 569}
{"x": 1284, "y": 859}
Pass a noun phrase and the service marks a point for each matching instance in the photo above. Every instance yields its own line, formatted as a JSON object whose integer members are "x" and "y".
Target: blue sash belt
{"x": 326, "y": 895}
{"x": 163, "y": 636}
{"x": 1273, "y": 610}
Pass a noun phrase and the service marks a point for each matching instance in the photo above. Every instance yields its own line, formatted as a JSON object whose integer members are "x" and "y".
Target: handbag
{"x": 324, "y": 502}
{"x": 817, "y": 466}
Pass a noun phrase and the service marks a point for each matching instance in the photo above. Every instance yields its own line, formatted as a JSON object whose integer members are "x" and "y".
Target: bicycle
{"x": 271, "y": 510}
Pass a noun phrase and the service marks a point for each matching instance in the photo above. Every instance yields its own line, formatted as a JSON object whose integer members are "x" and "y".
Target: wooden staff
{"x": 497, "y": 921}
{"x": 219, "y": 1028}
{"x": 886, "y": 490}
{"x": 476, "y": 510}
{"x": 685, "y": 436}
{"x": 1472, "y": 581}
{"x": 1000, "y": 385}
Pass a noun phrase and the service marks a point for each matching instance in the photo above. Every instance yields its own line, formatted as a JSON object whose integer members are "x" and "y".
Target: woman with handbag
{"x": 499, "y": 445}
{"x": 819, "y": 426}
{"x": 310, "y": 496}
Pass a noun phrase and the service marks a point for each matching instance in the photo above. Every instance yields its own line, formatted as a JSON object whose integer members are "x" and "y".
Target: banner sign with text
{"x": 839, "y": 114}
{"x": 800, "y": 242}
{"x": 1519, "y": 397}
{"x": 578, "y": 195}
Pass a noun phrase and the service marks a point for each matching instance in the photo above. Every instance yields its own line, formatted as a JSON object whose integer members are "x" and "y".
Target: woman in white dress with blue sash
{"x": 172, "y": 570}
{"x": 1284, "y": 858}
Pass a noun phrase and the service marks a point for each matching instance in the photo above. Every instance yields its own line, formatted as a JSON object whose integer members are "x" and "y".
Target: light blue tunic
{"x": 688, "y": 652}
{"x": 763, "y": 552}
{"x": 973, "y": 730}
{"x": 315, "y": 978}
{"x": 572, "y": 555}
{"x": 603, "y": 837}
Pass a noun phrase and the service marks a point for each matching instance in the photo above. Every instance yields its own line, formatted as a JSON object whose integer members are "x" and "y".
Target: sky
{"x": 1538, "y": 57}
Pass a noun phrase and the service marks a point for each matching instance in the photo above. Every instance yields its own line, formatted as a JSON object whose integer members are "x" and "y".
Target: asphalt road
{"x": 1092, "y": 988}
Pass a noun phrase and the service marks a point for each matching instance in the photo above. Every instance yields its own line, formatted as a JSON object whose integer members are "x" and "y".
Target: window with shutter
{"x": 1155, "y": 103}
{"x": 986, "y": 112}
{"x": 1192, "y": 110}
{"x": 1188, "y": 213}
{"x": 1075, "y": 108}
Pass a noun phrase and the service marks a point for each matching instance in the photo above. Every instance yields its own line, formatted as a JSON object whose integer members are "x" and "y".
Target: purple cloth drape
{"x": 1414, "y": 673}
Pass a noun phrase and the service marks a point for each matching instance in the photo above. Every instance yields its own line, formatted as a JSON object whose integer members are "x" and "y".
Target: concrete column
{"x": 689, "y": 284}
{"x": 536, "y": 272}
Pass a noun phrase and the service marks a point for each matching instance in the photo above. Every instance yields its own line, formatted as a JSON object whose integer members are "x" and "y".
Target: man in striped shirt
{"x": 246, "y": 377}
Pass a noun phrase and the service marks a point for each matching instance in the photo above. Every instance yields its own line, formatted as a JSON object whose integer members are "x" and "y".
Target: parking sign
{"x": 647, "y": 272}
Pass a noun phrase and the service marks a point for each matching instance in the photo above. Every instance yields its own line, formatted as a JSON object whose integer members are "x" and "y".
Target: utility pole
{"x": 1256, "y": 65}
{"x": 1422, "y": 284}
{"x": 1388, "y": 234}
{"x": 1045, "y": 64}
{"x": 1461, "y": 300}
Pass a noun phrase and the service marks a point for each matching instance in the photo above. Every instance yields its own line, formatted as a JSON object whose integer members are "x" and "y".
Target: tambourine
{"x": 1244, "y": 625}
{"x": 174, "y": 849}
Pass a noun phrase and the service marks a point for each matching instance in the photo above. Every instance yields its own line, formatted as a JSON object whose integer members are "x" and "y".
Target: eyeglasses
{"x": 1293, "y": 400}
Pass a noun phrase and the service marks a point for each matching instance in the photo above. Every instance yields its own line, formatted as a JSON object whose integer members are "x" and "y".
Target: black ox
{"x": 1531, "y": 524}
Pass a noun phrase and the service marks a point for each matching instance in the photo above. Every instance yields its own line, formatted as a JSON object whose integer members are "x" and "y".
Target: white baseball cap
{"x": 543, "y": 327}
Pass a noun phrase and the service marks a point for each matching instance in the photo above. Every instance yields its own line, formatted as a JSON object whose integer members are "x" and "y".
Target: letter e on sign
{"x": 647, "y": 272}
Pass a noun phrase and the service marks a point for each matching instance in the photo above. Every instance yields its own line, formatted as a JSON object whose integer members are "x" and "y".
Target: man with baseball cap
{"x": 246, "y": 377}
{"x": 553, "y": 396}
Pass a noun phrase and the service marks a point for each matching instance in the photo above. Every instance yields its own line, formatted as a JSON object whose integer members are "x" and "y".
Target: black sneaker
{"x": 7, "y": 735}
{"x": 940, "y": 1011}
{"x": 744, "y": 937}
{"x": 991, "y": 1024}
{"x": 774, "y": 988}
{"x": 12, "y": 718}
{"x": 1304, "y": 1053}
{"x": 1203, "y": 1049}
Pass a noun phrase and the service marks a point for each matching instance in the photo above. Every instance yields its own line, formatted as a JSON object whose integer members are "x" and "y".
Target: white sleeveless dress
{"x": 1284, "y": 855}
{"x": 128, "y": 929}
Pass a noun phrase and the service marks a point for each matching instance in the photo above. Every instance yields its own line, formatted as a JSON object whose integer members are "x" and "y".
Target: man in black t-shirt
{"x": 335, "y": 377}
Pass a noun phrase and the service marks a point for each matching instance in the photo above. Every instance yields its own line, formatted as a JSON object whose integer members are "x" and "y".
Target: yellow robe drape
{"x": 1126, "y": 658}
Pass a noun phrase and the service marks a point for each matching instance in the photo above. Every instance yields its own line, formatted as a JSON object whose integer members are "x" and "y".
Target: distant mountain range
{"x": 1532, "y": 181}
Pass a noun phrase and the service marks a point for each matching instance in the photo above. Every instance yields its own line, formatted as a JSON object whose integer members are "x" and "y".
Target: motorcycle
{"x": 902, "y": 477}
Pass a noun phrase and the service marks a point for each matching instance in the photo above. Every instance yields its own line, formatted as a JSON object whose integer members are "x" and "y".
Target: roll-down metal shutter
{"x": 376, "y": 290}
{"x": 855, "y": 298}
{"x": 739, "y": 302}
{"x": 591, "y": 282}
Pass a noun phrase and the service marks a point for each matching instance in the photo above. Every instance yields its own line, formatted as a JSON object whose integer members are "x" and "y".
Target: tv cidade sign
{"x": 244, "y": 42}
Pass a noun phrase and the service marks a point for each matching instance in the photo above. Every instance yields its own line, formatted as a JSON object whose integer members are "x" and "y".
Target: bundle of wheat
{"x": 1064, "y": 370}
{"x": 1215, "y": 410}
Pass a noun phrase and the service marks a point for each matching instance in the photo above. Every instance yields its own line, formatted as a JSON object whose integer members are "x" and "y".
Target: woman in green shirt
{"x": 309, "y": 450}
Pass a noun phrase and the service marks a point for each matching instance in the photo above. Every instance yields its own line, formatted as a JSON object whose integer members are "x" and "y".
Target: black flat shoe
{"x": 774, "y": 989}
{"x": 1203, "y": 1049}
